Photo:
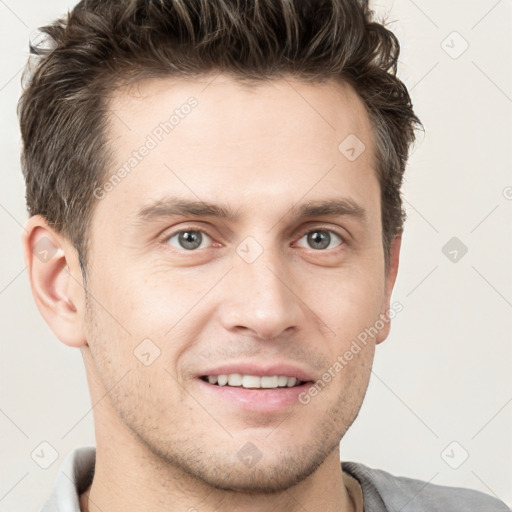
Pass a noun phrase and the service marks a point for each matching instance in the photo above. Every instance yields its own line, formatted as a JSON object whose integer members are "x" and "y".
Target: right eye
{"x": 187, "y": 239}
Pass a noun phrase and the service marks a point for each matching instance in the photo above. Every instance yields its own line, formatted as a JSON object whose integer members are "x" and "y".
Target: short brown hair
{"x": 103, "y": 44}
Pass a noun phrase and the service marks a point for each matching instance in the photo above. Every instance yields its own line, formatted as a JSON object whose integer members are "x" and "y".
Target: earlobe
{"x": 50, "y": 260}
{"x": 391, "y": 273}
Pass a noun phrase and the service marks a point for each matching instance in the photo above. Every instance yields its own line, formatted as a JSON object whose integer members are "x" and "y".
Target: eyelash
{"x": 167, "y": 237}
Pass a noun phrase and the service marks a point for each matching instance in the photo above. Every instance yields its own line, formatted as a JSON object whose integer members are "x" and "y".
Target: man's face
{"x": 264, "y": 293}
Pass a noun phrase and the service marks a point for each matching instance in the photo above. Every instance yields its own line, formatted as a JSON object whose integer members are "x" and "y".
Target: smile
{"x": 252, "y": 381}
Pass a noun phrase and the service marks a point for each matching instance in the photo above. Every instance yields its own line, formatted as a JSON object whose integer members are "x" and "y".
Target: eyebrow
{"x": 174, "y": 206}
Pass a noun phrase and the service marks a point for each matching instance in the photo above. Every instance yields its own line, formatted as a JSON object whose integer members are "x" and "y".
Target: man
{"x": 215, "y": 187}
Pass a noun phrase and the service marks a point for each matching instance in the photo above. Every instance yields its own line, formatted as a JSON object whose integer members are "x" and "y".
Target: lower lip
{"x": 260, "y": 400}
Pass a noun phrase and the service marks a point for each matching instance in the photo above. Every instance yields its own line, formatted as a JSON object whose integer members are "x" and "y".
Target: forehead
{"x": 278, "y": 106}
{"x": 274, "y": 142}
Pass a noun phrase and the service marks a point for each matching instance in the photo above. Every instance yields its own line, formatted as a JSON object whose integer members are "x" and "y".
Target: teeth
{"x": 253, "y": 381}
{"x": 235, "y": 379}
{"x": 291, "y": 382}
{"x": 282, "y": 381}
{"x": 269, "y": 382}
{"x": 250, "y": 381}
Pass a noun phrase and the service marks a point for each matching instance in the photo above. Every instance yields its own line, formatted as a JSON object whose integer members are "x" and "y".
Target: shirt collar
{"x": 74, "y": 477}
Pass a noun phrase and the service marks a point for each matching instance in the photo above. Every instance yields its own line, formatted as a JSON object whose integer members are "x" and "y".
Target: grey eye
{"x": 321, "y": 238}
{"x": 189, "y": 239}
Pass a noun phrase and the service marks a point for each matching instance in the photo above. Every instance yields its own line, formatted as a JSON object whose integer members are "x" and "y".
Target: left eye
{"x": 321, "y": 238}
{"x": 189, "y": 239}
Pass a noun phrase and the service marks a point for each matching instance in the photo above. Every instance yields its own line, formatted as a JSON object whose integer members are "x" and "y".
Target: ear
{"x": 391, "y": 272}
{"x": 55, "y": 279}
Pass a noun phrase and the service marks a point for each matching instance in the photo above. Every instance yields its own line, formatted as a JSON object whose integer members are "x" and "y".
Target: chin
{"x": 274, "y": 472}
{"x": 258, "y": 480}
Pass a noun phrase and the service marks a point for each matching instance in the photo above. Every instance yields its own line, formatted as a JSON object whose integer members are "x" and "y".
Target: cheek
{"x": 351, "y": 302}
{"x": 142, "y": 306}
{"x": 144, "y": 325}
{"x": 135, "y": 369}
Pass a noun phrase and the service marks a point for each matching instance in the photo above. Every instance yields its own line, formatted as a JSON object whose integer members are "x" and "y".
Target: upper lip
{"x": 260, "y": 370}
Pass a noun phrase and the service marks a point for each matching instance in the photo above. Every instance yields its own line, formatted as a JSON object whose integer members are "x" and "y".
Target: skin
{"x": 161, "y": 439}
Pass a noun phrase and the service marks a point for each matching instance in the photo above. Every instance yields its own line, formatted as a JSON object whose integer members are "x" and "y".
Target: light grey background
{"x": 441, "y": 386}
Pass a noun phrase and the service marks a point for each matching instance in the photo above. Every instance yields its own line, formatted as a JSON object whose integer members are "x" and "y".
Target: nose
{"x": 260, "y": 299}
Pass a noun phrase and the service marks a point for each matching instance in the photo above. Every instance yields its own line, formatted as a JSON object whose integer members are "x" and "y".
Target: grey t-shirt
{"x": 382, "y": 492}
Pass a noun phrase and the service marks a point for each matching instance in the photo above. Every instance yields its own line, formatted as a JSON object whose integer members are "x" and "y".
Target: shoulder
{"x": 384, "y": 492}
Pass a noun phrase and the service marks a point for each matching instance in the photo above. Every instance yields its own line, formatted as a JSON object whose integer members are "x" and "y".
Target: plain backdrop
{"x": 439, "y": 403}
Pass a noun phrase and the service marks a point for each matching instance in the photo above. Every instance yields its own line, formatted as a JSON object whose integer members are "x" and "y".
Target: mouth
{"x": 254, "y": 387}
{"x": 238, "y": 380}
